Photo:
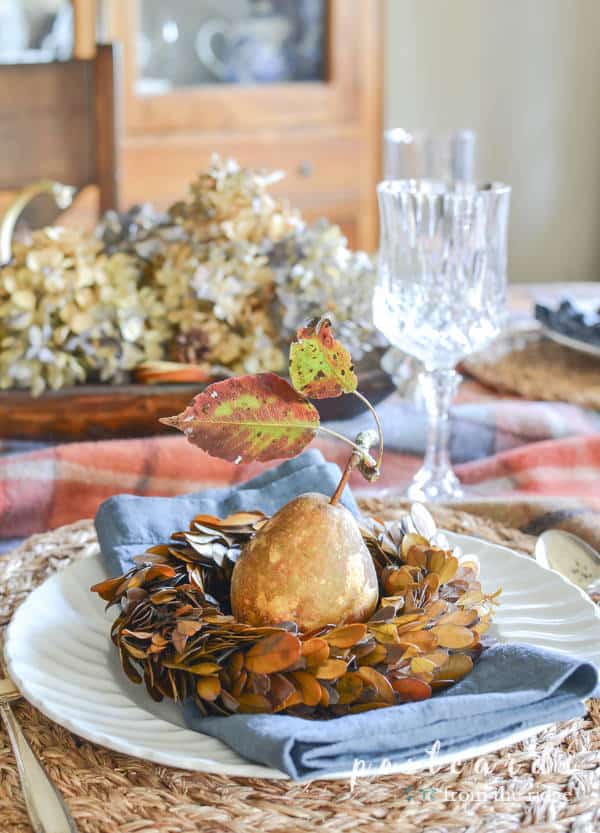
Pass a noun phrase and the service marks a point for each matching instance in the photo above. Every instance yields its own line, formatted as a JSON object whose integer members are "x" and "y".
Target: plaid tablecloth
{"x": 541, "y": 457}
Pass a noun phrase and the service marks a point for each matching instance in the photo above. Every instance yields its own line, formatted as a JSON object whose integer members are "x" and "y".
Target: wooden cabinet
{"x": 56, "y": 112}
{"x": 324, "y": 133}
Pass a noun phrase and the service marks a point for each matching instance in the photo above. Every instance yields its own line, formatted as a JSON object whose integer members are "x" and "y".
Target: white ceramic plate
{"x": 574, "y": 343}
{"x": 60, "y": 655}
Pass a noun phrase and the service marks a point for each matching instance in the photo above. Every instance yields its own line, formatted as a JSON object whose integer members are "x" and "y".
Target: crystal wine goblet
{"x": 440, "y": 294}
{"x": 429, "y": 154}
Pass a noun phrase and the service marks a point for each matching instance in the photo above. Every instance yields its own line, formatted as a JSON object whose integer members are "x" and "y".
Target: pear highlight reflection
{"x": 309, "y": 565}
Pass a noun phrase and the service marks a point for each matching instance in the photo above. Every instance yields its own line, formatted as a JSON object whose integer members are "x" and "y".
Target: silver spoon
{"x": 570, "y": 556}
{"x": 45, "y": 805}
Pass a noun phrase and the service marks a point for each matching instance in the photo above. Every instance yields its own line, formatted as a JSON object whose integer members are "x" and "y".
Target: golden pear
{"x": 308, "y": 564}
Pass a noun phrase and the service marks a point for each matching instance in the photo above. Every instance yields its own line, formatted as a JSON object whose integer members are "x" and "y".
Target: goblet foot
{"x": 431, "y": 488}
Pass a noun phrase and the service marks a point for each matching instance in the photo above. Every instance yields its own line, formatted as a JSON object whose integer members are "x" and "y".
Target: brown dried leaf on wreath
{"x": 274, "y": 653}
{"x": 174, "y": 631}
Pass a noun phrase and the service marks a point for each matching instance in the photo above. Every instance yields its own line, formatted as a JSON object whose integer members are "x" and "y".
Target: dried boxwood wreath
{"x": 175, "y": 630}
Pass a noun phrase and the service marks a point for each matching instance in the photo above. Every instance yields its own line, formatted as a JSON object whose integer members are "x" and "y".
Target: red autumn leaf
{"x": 320, "y": 367}
{"x": 249, "y": 418}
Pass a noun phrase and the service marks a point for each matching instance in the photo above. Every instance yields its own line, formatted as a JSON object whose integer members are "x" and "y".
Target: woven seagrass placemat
{"x": 543, "y": 370}
{"x": 548, "y": 783}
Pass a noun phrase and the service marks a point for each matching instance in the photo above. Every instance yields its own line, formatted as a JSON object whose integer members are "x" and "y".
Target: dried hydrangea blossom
{"x": 233, "y": 203}
{"x": 249, "y": 272}
{"x": 221, "y": 296}
{"x": 217, "y": 284}
{"x": 238, "y": 271}
{"x": 315, "y": 271}
{"x": 224, "y": 279}
{"x": 141, "y": 231}
{"x": 70, "y": 313}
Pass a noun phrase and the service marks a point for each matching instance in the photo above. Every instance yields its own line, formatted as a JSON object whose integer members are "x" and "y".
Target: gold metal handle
{"x": 63, "y": 197}
{"x": 47, "y": 810}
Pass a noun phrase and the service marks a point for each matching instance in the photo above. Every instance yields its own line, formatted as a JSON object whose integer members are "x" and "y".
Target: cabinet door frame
{"x": 262, "y": 106}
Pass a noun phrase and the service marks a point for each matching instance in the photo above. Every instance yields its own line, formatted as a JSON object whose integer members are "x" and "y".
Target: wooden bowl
{"x": 94, "y": 412}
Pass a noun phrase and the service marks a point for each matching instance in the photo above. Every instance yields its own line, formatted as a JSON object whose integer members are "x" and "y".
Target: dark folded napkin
{"x": 513, "y": 687}
{"x": 576, "y": 318}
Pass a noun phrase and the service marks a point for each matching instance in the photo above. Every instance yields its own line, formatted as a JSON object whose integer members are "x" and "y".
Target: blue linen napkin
{"x": 127, "y": 524}
{"x": 512, "y": 687}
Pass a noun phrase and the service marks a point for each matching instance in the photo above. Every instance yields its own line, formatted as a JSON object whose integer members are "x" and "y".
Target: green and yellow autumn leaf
{"x": 249, "y": 418}
{"x": 320, "y": 367}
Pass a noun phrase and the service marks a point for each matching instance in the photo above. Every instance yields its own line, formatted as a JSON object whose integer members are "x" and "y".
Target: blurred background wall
{"x": 525, "y": 74}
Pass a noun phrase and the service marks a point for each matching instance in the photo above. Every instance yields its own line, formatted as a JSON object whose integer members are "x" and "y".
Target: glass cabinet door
{"x": 236, "y": 64}
{"x": 192, "y": 43}
{"x": 35, "y": 31}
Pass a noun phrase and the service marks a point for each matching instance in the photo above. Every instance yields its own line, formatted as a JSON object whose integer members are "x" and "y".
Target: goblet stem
{"x": 436, "y": 481}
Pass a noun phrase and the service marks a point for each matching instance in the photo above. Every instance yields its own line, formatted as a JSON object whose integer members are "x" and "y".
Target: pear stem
{"x": 358, "y": 452}
{"x": 354, "y": 460}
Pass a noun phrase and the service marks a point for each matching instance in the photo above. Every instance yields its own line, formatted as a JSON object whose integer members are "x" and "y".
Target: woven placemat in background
{"x": 548, "y": 783}
{"x": 541, "y": 369}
